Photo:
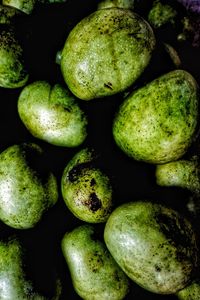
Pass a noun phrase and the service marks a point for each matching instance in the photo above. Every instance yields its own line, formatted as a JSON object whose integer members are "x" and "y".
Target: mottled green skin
{"x": 161, "y": 14}
{"x": 25, "y": 6}
{"x": 153, "y": 245}
{"x": 86, "y": 190}
{"x": 95, "y": 275}
{"x": 7, "y": 14}
{"x": 182, "y": 173}
{"x": 191, "y": 292}
{"x": 106, "y": 52}
{"x": 13, "y": 282}
{"x": 52, "y": 114}
{"x": 157, "y": 123}
{"x": 12, "y": 71}
{"x": 127, "y": 4}
{"x": 25, "y": 193}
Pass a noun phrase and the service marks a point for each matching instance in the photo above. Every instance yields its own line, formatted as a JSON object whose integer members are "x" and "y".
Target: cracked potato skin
{"x": 158, "y": 122}
{"x": 154, "y": 245}
{"x": 106, "y": 52}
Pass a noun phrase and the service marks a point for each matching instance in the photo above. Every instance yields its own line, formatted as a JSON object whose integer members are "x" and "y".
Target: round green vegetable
{"x": 95, "y": 275}
{"x": 106, "y": 52}
{"x": 154, "y": 245}
{"x": 52, "y": 114}
{"x": 86, "y": 190}
{"x": 27, "y": 189}
{"x": 12, "y": 70}
{"x": 158, "y": 122}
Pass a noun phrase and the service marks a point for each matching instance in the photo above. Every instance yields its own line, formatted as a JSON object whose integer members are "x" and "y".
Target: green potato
{"x": 127, "y": 4}
{"x": 182, "y": 173}
{"x": 26, "y": 6}
{"x": 190, "y": 292}
{"x": 52, "y": 114}
{"x": 106, "y": 52}
{"x": 27, "y": 190}
{"x": 154, "y": 245}
{"x": 95, "y": 275}
{"x": 13, "y": 279}
{"x": 157, "y": 123}
{"x": 12, "y": 70}
{"x": 86, "y": 190}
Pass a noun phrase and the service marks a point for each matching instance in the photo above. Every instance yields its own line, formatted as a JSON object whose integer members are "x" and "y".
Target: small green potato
{"x": 106, "y": 52}
{"x": 190, "y": 292}
{"x": 95, "y": 275}
{"x": 154, "y": 245}
{"x": 12, "y": 70}
{"x": 158, "y": 122}
{"x": 27, "y": 189}
{"x": 52, "y": 114}
{"x": 86, "y": 190}
{"x": 182, "y": 173}
{"x": 13, "y": 282}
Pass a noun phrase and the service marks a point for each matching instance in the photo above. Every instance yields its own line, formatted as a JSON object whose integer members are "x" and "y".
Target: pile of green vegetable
{"x": 99, "y": 157}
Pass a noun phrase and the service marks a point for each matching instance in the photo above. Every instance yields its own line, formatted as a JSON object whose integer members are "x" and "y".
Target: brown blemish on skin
{"x": 94, "y": 203}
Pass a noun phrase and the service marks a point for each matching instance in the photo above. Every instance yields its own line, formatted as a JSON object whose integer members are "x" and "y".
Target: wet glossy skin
{"x": 86, "y": 190}
{"x": 25, "y": 194}
{"x": 95, "y": 275}
{"x": 52, "y": 113}
{"x": 106, "y": 52}
{"x": 153, "y": 245}
{"x": 158, "y": 122}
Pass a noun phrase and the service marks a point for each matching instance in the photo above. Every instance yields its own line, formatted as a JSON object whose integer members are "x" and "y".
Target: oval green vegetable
{"x": 52, "y": 114}
{"x": 12, "y": 70}
{"x": 95, "y": 275}
{"x": 106, "y": 52}
{"x": 86, "y": 190}
{"x": 157, "y": 123}
{"x": 154, "y": 245}
{"x": 27, "y": 189}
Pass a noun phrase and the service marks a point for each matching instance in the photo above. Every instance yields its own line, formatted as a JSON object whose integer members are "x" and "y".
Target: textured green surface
{"x": 191, "y": 292}
{"x": 13, "y": 282}
{"x": 25, "y": 193}
{"x": 157, "y": 123}
{"x": 106, "y": 52}
{"x": 86, "y": 190}
{"x": 182, "y": 173}
{"x": 95, "y": 274}
{"x": 12, "y": 71}
{"x": 153, "y": 245}
{"x": 25, "y": 6}
{"x": 52, "y": 114}
{"x": 127, "y": 4}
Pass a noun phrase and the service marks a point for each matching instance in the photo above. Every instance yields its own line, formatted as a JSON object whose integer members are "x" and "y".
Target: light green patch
{"x": 52, "y": 114}
{"x": 157, "y": 123}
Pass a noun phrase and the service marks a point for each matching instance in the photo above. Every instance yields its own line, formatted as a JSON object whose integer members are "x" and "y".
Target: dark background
{"x": 42, "y": 34}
